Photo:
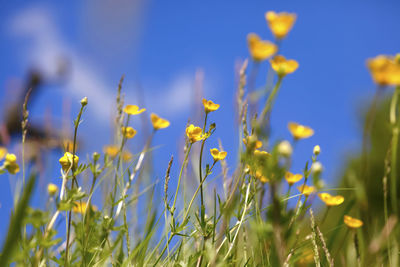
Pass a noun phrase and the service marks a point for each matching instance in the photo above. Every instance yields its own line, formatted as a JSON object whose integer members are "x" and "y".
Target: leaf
{"x": 14, "y": 228}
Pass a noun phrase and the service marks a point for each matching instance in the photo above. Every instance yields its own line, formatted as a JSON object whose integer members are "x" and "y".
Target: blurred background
{"x": 172, "y": 55}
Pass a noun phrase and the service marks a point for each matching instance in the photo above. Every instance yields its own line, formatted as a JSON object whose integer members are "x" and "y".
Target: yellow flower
{"x": 158, "y": 123}
{"x": 133, "y": 110}
{"x": 209, "y": 106}
{"x": 280, "y": 23}
{"x": 259, "y": 49}
{"x": 352, "y": 222}
{"x": 3, "y": 152}
{"x": 283, "y": 66}
{"x": 250, "y": 140}
{"x": 218, "y": 155}
{"x": 66, "y": 161}
{"x": 128, "y": 132}
{"x": 385, "y": 70}
{"x": 292, "y": 178}
{"x": 111, "y": 150}
{"x": 306, "y": 190}
{"x": 194, "y": 133}
{"x": 52, "y": 189}
{"x": 300, "y": 131}
{"x": 11, "y": 158}
{"x": 259, "y": 176}
{"x": 330, "y": 200}
{"x": 81, "y": 206}
{"x": 11, "y": 164}
{"x": 126, "y": 156}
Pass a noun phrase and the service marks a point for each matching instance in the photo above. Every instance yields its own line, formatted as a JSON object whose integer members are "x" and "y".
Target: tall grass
{"x": 259, "y": 214}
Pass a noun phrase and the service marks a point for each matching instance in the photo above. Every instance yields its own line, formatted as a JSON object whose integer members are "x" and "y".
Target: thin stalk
{"x": 133, "y": 174}
{"x": 270, "y": 101}
{"x": 395, "y": 142}
{"x": 186, "y": 215}
{"x": 385, "y": 202}
{"x": 240, "y": 222}
{"x": 357, "y": 248}
{"x": 195, "y": 194}
{"x": 288, "y": 195}
{"x": 314, "y": 240}
{"x": 325, "y": 214}
{"x": 202, "y": 208}
{"x": 24, "y": 130}
{"x": 116, "y": 173}
{"x": 180, "y": 176}
{"x": 298, "y": 202}
{"x": 77, "y": 122}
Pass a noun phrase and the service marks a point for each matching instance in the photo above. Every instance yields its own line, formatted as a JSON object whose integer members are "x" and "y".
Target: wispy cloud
{"x": 46, "y": 45}
{"x": 45, "y": 48}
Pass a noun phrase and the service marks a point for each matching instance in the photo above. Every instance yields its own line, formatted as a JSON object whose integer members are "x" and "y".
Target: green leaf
{"x": 14, "y": 229}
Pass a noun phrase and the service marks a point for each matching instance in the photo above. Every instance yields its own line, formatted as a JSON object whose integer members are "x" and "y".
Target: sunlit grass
{"x": 258, "y": 213}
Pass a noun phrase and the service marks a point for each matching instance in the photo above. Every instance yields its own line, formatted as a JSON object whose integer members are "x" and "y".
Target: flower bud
{"x": 317, "y": 168}
{"x": 285, "y": 149}
{"x": 96, "y": 156}
{"x": 52, "y": 189}
{"x": 84, "y": 101}
{"x": 317, "y": 150}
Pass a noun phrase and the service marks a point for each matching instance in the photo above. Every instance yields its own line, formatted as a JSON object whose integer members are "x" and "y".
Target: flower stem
{"x": 202, "y": 208}
{"x": 77, "y": 122}
{"x": 395, "y": 142}
{"x": 270, "y": 101}
{"x": 185, "y": 217}
{"x": 116, "y": 173}
{"x": 180, "y": 176}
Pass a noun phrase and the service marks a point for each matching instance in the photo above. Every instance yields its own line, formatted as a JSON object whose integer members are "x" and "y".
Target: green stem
{"x": 288, "y": 195}
{"x": 395, "y": 141}
{"x": 116, "y": 173}
{"x": 180, "y": 176}
{"x": 186, "y": 215}
{"x": 77, "y": 122}
{"x": 298, "y": 202}
{"x": 325, "y": 215}
{"x": 270, "y": 101}
{"x": 202, "y": 208}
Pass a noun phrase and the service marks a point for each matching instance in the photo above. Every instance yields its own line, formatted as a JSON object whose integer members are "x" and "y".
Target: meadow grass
{"x": 258, "y": 214}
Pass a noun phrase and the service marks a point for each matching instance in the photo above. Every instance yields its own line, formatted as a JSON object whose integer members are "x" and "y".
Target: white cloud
{"x": 175, "y": 98}
{"x": 45, "y": 46}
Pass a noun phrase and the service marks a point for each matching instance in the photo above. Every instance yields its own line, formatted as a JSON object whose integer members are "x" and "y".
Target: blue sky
{"x": 161, "y": 45}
